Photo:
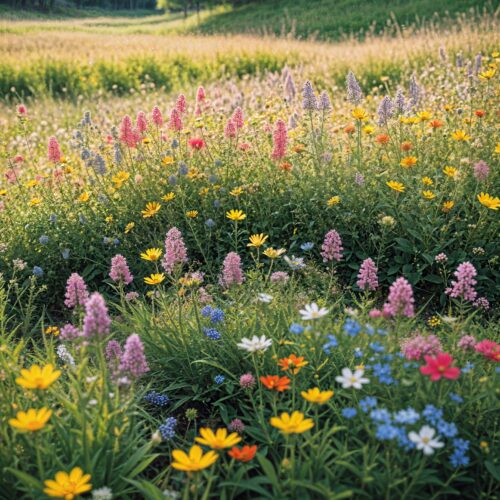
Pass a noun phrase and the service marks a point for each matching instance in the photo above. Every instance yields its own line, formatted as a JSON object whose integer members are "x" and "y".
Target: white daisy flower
{"x": 349, "y": 379}
{"x": 255, "y": 343}
{"x": 312, "y": 311}
{"x": 265, "y": 297}
{"x": 425, "y": 440}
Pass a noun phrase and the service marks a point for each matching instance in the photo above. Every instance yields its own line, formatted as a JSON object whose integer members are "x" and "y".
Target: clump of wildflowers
{"x": 175, "y": 250}
{"x": 400, "y": 301}
{"x": 232, "y": 274}
{"x": 367, "y": 277}
{"x": 332, "y": 247}
{"x": 120, "y": 272}
{"x": 463, "y": 286}
{"x": 133, "y": 361}
{"x": 418, "y": 345}
{"x": 76, "y": 291}
{"x": 96, "y": 322}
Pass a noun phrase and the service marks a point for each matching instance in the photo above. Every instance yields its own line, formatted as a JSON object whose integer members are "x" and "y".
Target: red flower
{"x": 489, "y": 349}
{"x": 440, "y": 366}
{"x": 276, "y": 382}
{"x": 245, "y": 454}
{"x": 197, "y": 143}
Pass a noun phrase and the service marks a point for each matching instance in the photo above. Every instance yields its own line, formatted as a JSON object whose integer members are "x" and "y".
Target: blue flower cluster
{"x": 332, "y": 342}
{"x": 459, "y": 457}
{"x": 219, "y": 379}
{"x": 215, "y": 314}
{"x": 157, "y": 399}
{"x": 167, "y": 429}
{"x": 383, "y": 372}
{"x": 212, "y": 333}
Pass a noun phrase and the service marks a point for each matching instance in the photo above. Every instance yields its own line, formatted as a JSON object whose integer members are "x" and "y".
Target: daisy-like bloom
{"x": 349, "y": 379}
{"x": 255, "y": 343}
{"x": 276, "y": 383}
{"x": 219, "y": 439}
{"x": 68, "y": 486}
{"x": 460, "y": 135}
{"x": 169, "y": 196}
{"x": 37, "y": 377}
{"x": 408, "y": 161}
{"x": 428, "y": 195}
{"x": 31, "y": 420}
{"x": 312, "y": 311}
{"x": 243, "y": 454}
{"x": 425, "y": 440}
{"x": 447, "y": 206}
{"x": 151, "y": 209}
{"x": 424, "y": 116}
{"x": 334, "y": 200}
{"x": 359, "y": 114}
{"x": 84, "y": 197}
{"x": 440, "y": 366}
{"x": 273, "y": 253}
{"x": 192, "y": 214}
{"x": 436, "y": 124}
{"x": 488, "y": 74}
{"x": 450, "y": 172}
{"x": 257, "y": 240}
{"x": 195, "y": 461}
{"x": 236, "y": 192}
{"x": 152, "y": 254}
{"x": 315, "y": 395}
{"x": 236, "y": 215}
{"x": 154, "y": 279}
{"x": 396, "y": 186}
{"x": 35, "y": 201}
{"x": 129, "y": 227}
{"x": 292, "y": 424}
{"x": 292, "y": 363}
{"x": 427, "y": 181}
{"x": 493, "y": 203}
{"x": 264, "y": 297}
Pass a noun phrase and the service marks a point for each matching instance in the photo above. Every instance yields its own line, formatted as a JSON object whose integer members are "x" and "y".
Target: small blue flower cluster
{"x": 167, "y": 429}
{"x": 212, "y": 333}
{"x": 332, "y": 342}
{"x": 219, "y": 379}
{"x": 157, "y": 399}
{"x": 215, "y": 314}
{"x": 459, "y": 457}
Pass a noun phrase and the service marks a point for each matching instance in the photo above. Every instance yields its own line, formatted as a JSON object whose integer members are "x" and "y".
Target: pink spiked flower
{"x": 120, "y": 272}
{"x": 96, "y": 322}
{"x": 232, "y": 274}
{"x": 175, "y": 120}
{"x": 400, "y": 301}
{"x": 237, "y": 117}
{"x": 464, "y": 284}
{"x": 54, "y": 151}
{"x": 200, "y": 94}
{"x": 181, "y": 104}
{"x": 141, "y": 122}
{"x": 175, "y": 250}
{"x": 418, "y": 345}
{"x": 230, "y": 130}
{"x": 280, "y": 140}
{"x": 367, "y": 277}
{"x": 133, "y": 361}
{"x": 332, "y": 247}
{"x": 156, "y": 116}
{"x": 481, "y": 170}
{"x": 489, "y": 349}
{"x": 128, "y": 135}
{"x": 76, "y": 291}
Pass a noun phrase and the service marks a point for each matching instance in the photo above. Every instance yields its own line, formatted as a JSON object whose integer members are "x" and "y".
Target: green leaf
{"x": 493, "y": 470}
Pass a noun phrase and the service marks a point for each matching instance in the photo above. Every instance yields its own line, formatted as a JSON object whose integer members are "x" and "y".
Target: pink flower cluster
{"x": 157, "y": 117}
{"x": 175, "y": 250}
{"x": 128, "y": 134}
{"x": 130, "y": 363}
{"x": 54, "y": 151}
{"x": 400, "y": 301}
{"x": 367, "y": 277}
{"x": 76, "y": 291}
{"x": 332, "y": 247}
{"x": 175, "y": 122}
{"x": 464, "y": 284}
{"x": 120, "y": 272}
{"x": 96, "y": 322}
{"x": 280, "y": 140}
{"x": 489, "y": 349}
{"x": 418, "y": 345}
{"x": 232, "y": 274}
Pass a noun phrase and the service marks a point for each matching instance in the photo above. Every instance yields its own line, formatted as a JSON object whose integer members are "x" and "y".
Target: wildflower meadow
{"x": 268, "y": 269}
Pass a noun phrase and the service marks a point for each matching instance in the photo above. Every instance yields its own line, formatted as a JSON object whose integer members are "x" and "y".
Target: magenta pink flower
{"x": 439, "y": 366}
{"x": 157, "y": 117}
{"x": 96, "y": 322}
{"x": 279, "y": 277}
{"x": 54, "y": 151}
{"x": 236, "y": 425}
{"x": 467, "y": 342}
{"x": 128, "y": 135}
{"x": 280, "y": 140}
{"x": 367, "y": 277}
{"x": 332, "y": 247}
{"x": 232, "y": 274}
{"x": 69, "y": 332}
{"x": 481, "y": 170}
{"x": 141, "y": 122}
{"x": 76, "y": 291}
{"x": 464, "y": 285}
{"x": 489, "y": 349}
{"x": 181, "y": 104}
{"x": 175, "y": 120}
{"x": 200, "y": 94}
{"x": 21, "y": 109}
{"x": 230, "y": 130}
{"x": 175, "y": 250}
{"x": 418, "y": 345}
{"x": 120, "y": 272}
{"x": 400, "y": 301}
{"x": 237, "y": 118}
{"x": 247, "y": 381}
{"x": 133, "y": 361}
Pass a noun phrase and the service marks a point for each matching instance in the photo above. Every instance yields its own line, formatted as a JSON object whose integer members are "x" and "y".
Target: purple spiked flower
{"x": 400, "y": 301}
{"x": 76, "y": 291}
{"x": 385, "y": 110}
{"x": 354, "y": 92}
{"x": 96, "y": 322}
{"x": 367, "y": 277}
{"x": 120, "y": 271}
{"x": 332, "y": 247}
{"x": 69, "y": 332}
{"x": 175, "y": 250}
{"x": 133, "y": 361}
{"x": 309, "y": 101}
{"x": 232, "y": 274}
{"x": 324, "y": 102}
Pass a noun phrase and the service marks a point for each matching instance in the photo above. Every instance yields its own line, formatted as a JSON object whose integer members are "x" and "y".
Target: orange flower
{"x": 406, "y": 146}
{"x": 276, "y": 382}
{"x": 292, "y": 363}
{"x": 408, "y": 161}
{"x": 436, "y": 124}
{"x": 480, "y": 113}
{"x": 382, "y": 139}
{"x": 245, "y": 454}
{"x": 285, "y": 166}
{"x": 349, "y": 129}
{"x": 298, "y": 148}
